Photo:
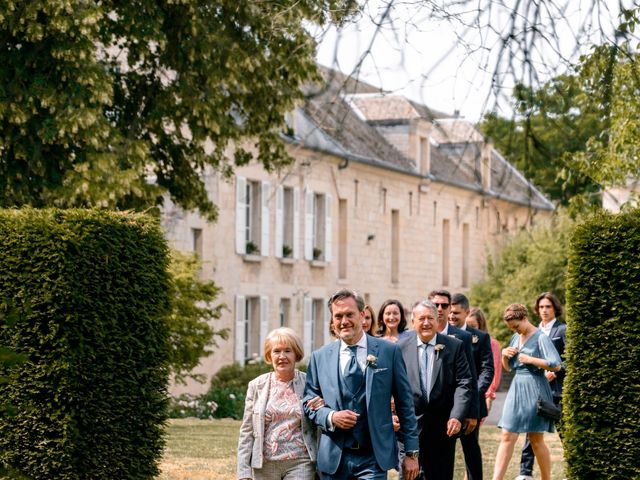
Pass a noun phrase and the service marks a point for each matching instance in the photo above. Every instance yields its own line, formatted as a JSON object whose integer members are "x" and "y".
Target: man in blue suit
{"x": 356, "y": 377}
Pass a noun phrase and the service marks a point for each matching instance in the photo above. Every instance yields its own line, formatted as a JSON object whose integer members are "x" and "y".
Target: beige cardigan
{"x": 251, "y": 439}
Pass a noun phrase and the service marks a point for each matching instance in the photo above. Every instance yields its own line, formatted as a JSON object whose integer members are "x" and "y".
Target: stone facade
{"x": 393, "y": 207}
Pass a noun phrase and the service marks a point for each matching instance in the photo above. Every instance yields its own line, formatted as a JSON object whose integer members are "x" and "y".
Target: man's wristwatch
{"x": 413, "y": 454}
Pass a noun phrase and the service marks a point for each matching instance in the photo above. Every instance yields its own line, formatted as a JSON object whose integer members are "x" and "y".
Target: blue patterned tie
{"x": 353, "y": 373}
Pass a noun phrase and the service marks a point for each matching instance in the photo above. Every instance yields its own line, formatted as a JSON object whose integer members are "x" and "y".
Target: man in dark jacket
{"x": 484, "y": 368}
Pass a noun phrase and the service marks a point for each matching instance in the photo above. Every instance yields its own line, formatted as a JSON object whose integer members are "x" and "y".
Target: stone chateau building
{"x": 385, "y": 196}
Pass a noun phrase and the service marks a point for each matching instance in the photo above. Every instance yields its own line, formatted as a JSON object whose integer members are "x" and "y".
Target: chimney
{"x": 485, "y": 166}
{"x": 422, "y": 157}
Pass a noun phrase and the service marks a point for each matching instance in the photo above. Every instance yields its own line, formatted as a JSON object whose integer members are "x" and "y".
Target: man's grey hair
{"x": 426, "y": 304}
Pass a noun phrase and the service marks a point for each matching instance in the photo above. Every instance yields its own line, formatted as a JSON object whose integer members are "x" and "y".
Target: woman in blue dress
{"x": 529, "y": 353}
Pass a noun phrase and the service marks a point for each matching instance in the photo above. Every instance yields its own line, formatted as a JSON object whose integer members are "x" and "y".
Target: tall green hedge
{"x": 602, "y": 390}
{"x": 92, "y": 292}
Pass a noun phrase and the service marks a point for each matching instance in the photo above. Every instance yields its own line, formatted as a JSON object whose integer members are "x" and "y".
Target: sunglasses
{"x": 441, "y": 305}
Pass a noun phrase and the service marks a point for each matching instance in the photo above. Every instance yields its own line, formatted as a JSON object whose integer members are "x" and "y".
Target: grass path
{"x": 206, "y": 449}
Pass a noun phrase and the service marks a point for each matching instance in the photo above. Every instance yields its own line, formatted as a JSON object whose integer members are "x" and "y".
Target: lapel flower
{"x": 474, "y": 339}
{"x": 371, "y": 361}
{"x": 437, "y": 348}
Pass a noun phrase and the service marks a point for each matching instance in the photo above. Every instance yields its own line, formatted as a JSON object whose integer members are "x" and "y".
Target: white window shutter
{"x": 279, "y": 221}
{"x": 327, "y": 320}
{"x": 296, "y": 223}
{"x": 264, "y": 322}
{"x": 307, "y": 326}
{"x": 240, "y": 339}
{"x": 308, "y": 224}
{"x": 328, "y": 230}
{"x": 241, "y": 212}
{"x": 264, "y": 219}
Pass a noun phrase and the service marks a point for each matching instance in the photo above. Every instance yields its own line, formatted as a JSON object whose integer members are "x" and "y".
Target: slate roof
{"x": 341, "y": 116}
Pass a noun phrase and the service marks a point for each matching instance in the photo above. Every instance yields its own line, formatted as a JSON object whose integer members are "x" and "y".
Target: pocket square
{"x": 380, "y": 369}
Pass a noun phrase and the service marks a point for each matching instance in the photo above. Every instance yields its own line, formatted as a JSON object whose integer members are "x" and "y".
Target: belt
{"x": 358, "y": 449}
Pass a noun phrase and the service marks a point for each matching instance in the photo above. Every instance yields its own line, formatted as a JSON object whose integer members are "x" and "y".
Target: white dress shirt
{"x": 546, "y": 329}
{"x": 361, "y": 356}
{"x": 426, "y": 370}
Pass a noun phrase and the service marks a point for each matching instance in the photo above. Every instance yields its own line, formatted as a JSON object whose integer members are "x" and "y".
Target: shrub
{"x": 187, "y": 405}
{"x": 602, "y": 413}
{"x": 530, "y": 263}
{"x": 92, "y": 290}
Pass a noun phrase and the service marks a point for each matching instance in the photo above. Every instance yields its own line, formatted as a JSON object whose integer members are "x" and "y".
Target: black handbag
{"x": 548, "y": 410}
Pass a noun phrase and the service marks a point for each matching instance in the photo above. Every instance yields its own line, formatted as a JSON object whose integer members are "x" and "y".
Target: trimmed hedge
{"x": 602, "y": 411}
{"x": 93, "y": 291}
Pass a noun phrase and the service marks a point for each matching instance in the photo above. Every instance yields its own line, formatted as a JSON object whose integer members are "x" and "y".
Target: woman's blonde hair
{"x": 283, "y": 336}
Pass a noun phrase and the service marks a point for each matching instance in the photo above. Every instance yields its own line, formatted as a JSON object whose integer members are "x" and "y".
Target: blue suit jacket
{"x": 387, "y": 378}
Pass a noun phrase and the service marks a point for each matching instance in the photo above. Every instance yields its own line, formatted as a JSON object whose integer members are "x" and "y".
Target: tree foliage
{"x": 579, "y": 132}
{"x": 530, "y": 263}
{"x": 112, "y": 104}
{"x": 192, "y": 312}
{"x": 549, "y": 126}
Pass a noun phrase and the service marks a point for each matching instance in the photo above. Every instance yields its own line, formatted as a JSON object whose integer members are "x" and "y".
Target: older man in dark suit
{"x": 357, "y": 376}
{"x": 483, "y": 362}
{"x": 441, "y": 384}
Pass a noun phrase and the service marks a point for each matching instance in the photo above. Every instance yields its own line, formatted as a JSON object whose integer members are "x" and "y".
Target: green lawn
{"x": 206, "y": 449}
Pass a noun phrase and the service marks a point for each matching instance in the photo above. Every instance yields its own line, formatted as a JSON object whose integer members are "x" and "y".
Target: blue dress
{"x": 529, "y": 383}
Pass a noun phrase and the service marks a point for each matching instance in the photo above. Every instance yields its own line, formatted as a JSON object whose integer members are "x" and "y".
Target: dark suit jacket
{"x": 451, "y": 379}
{"x": 558, "y": 336}
{"x": 467, "y": 340}
{"x": 483, "y": 362}
{"x": 387, "y": 378}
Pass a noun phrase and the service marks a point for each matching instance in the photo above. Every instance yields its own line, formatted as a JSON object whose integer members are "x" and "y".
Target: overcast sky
{"x": 449, "y": 64}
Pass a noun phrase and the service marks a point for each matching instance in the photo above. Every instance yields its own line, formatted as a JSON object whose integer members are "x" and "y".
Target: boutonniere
{"x": 438, "y": 348}
{"x": 474, "y": 339}
{"x": 371, "y": 361}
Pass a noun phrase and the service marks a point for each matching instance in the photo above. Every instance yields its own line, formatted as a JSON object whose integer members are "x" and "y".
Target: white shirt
{"x": 345, "y": 357}
{"x": 425, "y": 373}
{"x": 546, "y": 329}
{"x": 361, "y": 355}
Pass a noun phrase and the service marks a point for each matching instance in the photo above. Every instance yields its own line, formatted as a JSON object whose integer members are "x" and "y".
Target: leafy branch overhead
{"x": 98, "y": 98}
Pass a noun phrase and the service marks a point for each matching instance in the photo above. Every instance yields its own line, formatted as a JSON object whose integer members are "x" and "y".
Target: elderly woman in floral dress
{"x": 277, "y": 441}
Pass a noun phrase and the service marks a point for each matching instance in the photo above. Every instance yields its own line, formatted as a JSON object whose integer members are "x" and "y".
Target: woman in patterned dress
{"x": 530, "y": 353}
{"x": 277, "y": 441}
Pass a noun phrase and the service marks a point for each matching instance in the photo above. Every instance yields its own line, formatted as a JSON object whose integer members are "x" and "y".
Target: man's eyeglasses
{"x": 441, "y": 305}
